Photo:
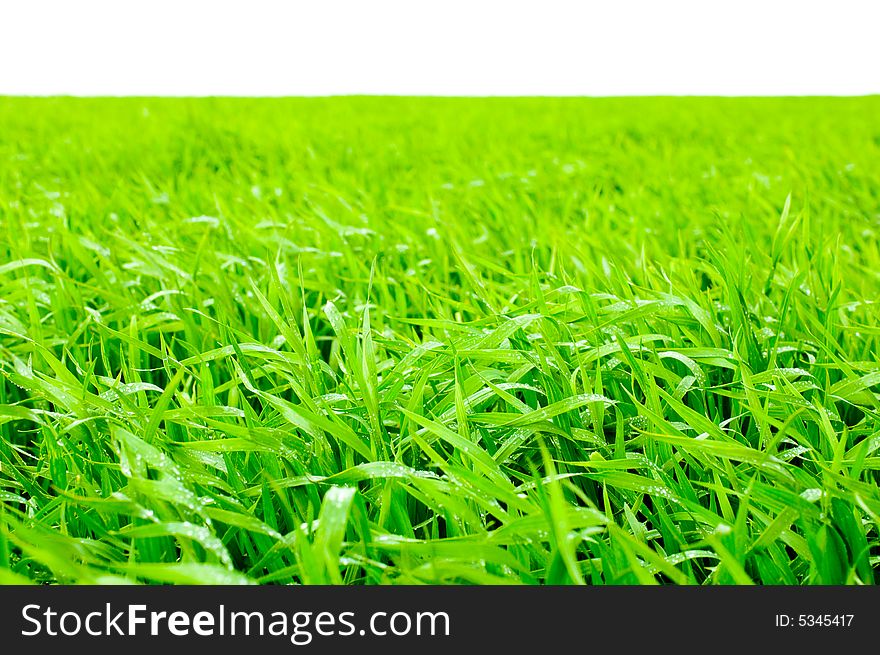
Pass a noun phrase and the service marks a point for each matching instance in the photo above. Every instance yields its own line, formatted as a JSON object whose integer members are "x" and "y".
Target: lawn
{"x": 406, "y": 341}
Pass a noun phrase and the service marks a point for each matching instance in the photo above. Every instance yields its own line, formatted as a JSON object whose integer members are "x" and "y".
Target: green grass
{"x": 440, "y": 341}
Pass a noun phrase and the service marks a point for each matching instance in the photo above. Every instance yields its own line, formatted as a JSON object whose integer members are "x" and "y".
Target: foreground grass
{"x": 427, "y": 341}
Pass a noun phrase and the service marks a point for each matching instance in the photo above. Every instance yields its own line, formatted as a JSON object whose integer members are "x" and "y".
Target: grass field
{"x": 440, "y": 341}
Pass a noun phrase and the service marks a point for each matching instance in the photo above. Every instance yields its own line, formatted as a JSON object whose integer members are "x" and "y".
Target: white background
{"x": 439, "y": 47}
